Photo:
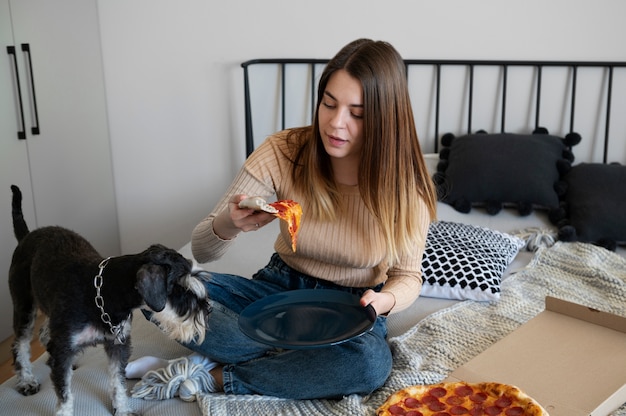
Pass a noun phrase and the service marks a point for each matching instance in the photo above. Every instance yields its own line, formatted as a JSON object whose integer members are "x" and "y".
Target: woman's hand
{"x": 382, "y": 302}
{"x": 234, "y": 220}
{"x": 247, "y": 219}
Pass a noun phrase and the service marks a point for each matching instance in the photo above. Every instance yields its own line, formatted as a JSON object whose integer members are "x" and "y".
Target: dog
{"x": 88, "y": 300}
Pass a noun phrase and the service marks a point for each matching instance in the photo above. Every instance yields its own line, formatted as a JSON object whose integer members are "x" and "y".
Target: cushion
{"x": 463, "y": 261}
{"x": 594, "y": 205}
{"x": 496, "y": 170}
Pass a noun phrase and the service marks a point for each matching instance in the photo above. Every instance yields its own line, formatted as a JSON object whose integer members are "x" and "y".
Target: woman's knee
{"x": 380, "y": 370}
{"x": 373, "y": 365}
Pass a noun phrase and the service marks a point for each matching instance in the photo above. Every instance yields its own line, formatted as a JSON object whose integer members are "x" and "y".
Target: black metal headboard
{"x": 555, "y": 94}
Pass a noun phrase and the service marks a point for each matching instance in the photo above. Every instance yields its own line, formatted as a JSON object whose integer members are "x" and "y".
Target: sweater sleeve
{"x": 404, "y": 280}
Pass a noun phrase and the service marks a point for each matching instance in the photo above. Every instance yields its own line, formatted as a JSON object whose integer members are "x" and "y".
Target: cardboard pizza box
{"x": 570, "y": 358}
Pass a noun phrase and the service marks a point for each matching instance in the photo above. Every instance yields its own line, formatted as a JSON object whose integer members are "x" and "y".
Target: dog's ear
{"x": 152, "y": 285}
{"x": 176, "y": 265}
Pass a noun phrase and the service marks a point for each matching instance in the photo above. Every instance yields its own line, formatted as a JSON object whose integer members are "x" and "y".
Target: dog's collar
{"x": 116, "y": 330}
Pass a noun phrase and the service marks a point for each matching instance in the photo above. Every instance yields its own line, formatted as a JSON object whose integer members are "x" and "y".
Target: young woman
{"x": 367, "y": 202}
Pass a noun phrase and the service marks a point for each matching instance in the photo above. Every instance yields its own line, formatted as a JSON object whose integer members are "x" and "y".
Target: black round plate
{"x": 307, "y": 318}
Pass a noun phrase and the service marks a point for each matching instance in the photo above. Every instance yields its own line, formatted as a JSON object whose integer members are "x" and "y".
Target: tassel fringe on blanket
{"x": 184, "y": 378}
{"x": 536, "y": 238}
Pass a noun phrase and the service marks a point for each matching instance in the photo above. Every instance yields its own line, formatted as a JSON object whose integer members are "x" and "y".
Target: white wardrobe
{"x": 54, "y": 139}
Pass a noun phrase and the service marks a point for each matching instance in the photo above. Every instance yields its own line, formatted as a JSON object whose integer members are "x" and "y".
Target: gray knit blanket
{"x": 447, "y": 339}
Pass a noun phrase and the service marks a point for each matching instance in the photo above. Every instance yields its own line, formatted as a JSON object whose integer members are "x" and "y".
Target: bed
{"x": 527, "y": 243}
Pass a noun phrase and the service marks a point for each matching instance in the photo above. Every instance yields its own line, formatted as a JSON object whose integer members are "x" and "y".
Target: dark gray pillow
{"x": 496, "y": 170}
{"x": 594, "y": 205}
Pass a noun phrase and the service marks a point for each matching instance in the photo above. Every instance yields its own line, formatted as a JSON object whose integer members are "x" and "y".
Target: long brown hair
{"x": 392, "y": 172}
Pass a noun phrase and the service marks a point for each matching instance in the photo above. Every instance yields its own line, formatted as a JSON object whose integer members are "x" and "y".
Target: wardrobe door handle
{"x": 26, "y": 48}
{"x": 21, "y": 134}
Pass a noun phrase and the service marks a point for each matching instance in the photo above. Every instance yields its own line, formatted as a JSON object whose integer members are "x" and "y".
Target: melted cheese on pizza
{"x": 291, "y": 212}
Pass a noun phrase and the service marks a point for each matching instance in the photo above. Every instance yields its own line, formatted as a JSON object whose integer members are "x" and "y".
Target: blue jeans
{"x": 358, "y": 366}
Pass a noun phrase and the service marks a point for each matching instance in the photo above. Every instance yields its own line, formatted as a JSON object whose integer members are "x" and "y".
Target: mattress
{"x": 248, "y": 253}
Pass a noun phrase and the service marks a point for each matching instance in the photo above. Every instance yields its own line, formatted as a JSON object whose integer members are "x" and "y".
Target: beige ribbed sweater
{"x": 349, "y": 251}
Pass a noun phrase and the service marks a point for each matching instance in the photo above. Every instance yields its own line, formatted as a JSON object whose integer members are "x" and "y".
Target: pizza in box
{"x": 460, "y": 398}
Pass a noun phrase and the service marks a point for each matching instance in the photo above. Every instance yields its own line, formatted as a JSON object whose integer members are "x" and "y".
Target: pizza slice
{"x": 291, "y": 212}
{"x": 286, "y": 209}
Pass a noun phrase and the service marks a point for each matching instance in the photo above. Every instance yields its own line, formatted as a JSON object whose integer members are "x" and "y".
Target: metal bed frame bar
{"x": 438, "y": 64}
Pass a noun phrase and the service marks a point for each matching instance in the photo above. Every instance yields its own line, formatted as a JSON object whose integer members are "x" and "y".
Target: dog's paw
{"x": 28, "y": 387}
{"x": 117, "y": 413}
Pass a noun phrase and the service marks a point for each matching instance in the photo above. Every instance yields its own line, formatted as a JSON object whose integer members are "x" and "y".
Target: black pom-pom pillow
{"x": 594, "y": 205}
{"x": 463, "y": 261}
{"x": 496, "y": 170}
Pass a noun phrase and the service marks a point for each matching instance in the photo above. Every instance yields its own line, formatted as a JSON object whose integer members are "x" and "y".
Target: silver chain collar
{"x": 116, "y": 330}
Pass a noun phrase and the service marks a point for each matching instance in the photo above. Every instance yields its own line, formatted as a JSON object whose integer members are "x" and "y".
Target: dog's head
{"x": 178, "y": 299}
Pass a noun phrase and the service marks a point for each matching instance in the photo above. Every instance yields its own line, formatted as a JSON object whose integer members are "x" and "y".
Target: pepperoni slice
{"x": 438, "y": 392}
{"x": 429, "y": 399}
{"x": 458, "y": 410}
{"x": 493, "y": 411}
{"x": 455, "y": 400}
{"x": 463, "y": 391}
{"x": 514, "y": 411}
{"x": 412, "y": 402}
{"x": 396, "y": 410}
{"x": 477, "y": 411}
{"x": 437, "y": 406}
{"x": 414, "y": 413}
{"x": 479, "y": 397}
{"x": 442, "y": 414}
{"x": 503, "y": 402}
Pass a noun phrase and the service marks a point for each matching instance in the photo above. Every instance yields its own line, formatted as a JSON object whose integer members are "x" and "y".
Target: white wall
{"x": 174, "y": 84}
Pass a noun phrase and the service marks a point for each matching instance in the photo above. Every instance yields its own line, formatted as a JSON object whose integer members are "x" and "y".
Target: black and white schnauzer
{"x": 88, "y": 300}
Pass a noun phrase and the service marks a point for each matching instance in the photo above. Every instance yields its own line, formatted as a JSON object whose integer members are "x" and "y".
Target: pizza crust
{"x": 257, "y": 203}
